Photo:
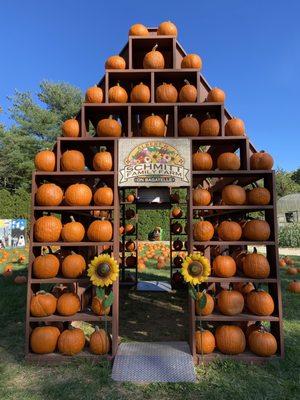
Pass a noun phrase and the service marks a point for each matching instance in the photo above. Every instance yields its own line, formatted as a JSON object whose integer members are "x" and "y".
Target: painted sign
{"x": 154, "y": 162}
{"x": 12, "y": 233}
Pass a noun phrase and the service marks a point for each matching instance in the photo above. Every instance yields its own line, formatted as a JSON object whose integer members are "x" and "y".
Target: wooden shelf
{"x": 81, "y": 316}
{"x": 236, "y": 173}
{"x": 229, "y": 208}
{"x": 53, "y": 358}
{"x": 234, "y": 279}
{"x": 61, "y": 280}
{"x": 72, "y": 208}
{"x": 216, "y": 316}
{"x": 233, "y": 243}
{"x": 75, "y": 173}
{"x": 71, "y": 244}
{"x": 246, "y": 356}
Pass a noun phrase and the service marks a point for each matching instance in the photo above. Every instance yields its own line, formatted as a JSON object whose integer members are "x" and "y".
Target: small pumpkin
{"x": 294, "y": 287}
{"x": 202, "y": 161}
{"x": 201, "y": 197}
{"x": 282, "y": 263}
{"x": 230, "y": 302}
{"x": 20, "y": 280}
{"x": 258, "y": 196}
{"x": 216, "y": 95}
{"x": 178, "y": 261}
{"x": 94, "y": 94}
{"x": 73, "y": 266}
{"x": 188, "y": 126}
{"x": 138, "y": 30}
{"x": 8, "y": 270}
{"x": 130, "y": 198}
{"x": 177, "y": 244}
{"x": 205, "y": 342}
{"x": 167, "y": 28}
{"x": 203, "y": 231}
{"x": 43, "y": 339}
{"x": 102, "y": 161}
{"x": 243, "y": 288}
{"x": 97, "y": 306}
{"x": 72, "y": 231}
{"x": 68, "y": 304}
{"x": 262, "y": 343}
{"x": 291, "y": 271}
{"x": 257, "y": 230}
{"x": 154, "y": 59}
{"x": 256, "y": 265}
{"x": 131, "y": 261}
{"x": 129, "y": 213}
{"x": 47, "y": 229}
{"x": 188, "y": 93}
{"x": 100, "y": 231}
{"x": 104, "y": 196}
{"x": 177, "y": 212}
{"x": 229, "y": 231}
{"x": 45, "y": 161}
{"x": 209, "y": 306}
{"x": 49, "y": 194}
{"x": 72, "y": 160}
{"x": 224, "y": 266}
{"x": 99, "y": 342}
{"x": 129, "y": 229}
{"x": 71, "y": 341}
{"x": 235, "y": 127}
{"x": 176, "y": 228}
{"x": 228, "y": 162}
{"x": 261, "y": 161}
{"x": 45, "y": 266}
{"x": 117, "y": 94}
{"x": 130, "y": 245}
{"x": 260, "y": 302}
{"x": 42, "y": 304}
{"x": 78, "y": 194}
{"x": 233, "y": 195}
{"x": 115, "y": 62}
{"x": 153, "y": 126}
{"x": 70, "y": 128}
{"x": 191, "y": 61}
{"x": 230, "y": 339}
{"x": 140, "y": 94}
{"x": 109, "y": 127}
{"x": 210, "y": 127}
{"x": 166, "y": 93}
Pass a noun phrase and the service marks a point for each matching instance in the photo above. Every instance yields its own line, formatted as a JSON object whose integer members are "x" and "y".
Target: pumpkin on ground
{"x": 153, "y": 126}
{"x": 104, "y": 196}
{"x": 166, "y": 93}
{"x": 138, "y": 30}
{"x": 71, "y": 341}
{"x": 49, "y": 194}
{"x": 45, "y": 161}
{"x": 229, "y": 231}
{"x": 209, "y": 306}
{"x": 72, "y": 160}
{"x": 167, "y": 28}
{"x": 294, "y": 287}
{"x": 70, "y": 128}
{"x": 94, "y": 94}
{"x": 224, "y": 266}
{"x": 262, "y": 343}
{"x": 230, "y": 339}
{"x": 191, "y": 61}
{"x": 210, "y": 127}
{"x": 42, "y": 304}
{"x": 188, "y": 126}
{"x": 205, "y": 342}
{"x": 230, "y": 302}
{"x": 228, "y": 162}
{"x": 261, "y": 161}
{"x": 216, "y": 95}
{"x": 97, "y": 306}
{"x": 102, "y": 161}
{"x": 188, "y": 93}
{"x": 47, "y": 229}
{"x": 256, "y": 265}
{"x": 109, "y": 127}
{"x": 258, "y": 196}
{"x": 43, "y": 339}
{"x": 235, "y": 127}
{"x": 117, "y": 94}
{"x": 73, "y": 266}
{"x": 115, "y": 62}
{"x": 233, "y": 195}
{"x": 291, "y": 271}
{"x": 68, "y": 304}
{"x": 99, "y": 342}
{"x": 72, "y": 231}
{"x": 20, "y": 279}
{"x": 78, "y": 194}
{"x": 201, "y": 197}
{"x": 260, "y": 302}
{"x": 154, "y": 59}
{"x": 45, "y": 266}
{"x": 202, "y": 161}
{"x": 203, "y": 231}
{"x": 100, "y": 231}
{"x": 257, "y": 230}
{"x": 140, "y": 94}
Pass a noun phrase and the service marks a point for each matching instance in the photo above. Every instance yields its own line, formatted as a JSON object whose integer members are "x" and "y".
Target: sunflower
{"x": 103, "y": 270}
{"x": 195, "y": 268}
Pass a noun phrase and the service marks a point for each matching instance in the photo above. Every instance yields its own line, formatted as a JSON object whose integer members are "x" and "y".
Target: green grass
{"x": 85, "y": 380}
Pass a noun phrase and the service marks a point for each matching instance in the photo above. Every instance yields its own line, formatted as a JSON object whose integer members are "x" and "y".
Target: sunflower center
{"x": 103, "y": 269}
{"x": 195, "y": 268}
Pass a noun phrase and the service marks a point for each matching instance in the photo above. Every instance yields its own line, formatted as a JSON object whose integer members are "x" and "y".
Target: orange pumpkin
{"x": 78, "y": 194}
{"x": 154, "y": 59}
{"x": 167, "y": 28}
{"x": 244, "y": 288}
{"x": 47, "y": 229}
{"x": 233, "y": 195}
{"x": 191, "y": 61}
{"x": 230, "y": 302}
{"x": 43, "y": 339}
{"x": 102, "y": 161}
{"x": 140, "y": 94}
{"x": 72, "y": 231}
{"x": 205, "y": 342}
{"x": 224, "y": 266}
{"x": 109, "y": 127}
{"x": 68, "y": 304}
{"x": 201, "y": 197}
{"x": 138, "y": 30}
{"x": 72, "y": 160}
{"x": 73, "y": 266}
{"x": 229, "y": 231}
{"x": 115, "y": 62}
{"x": 216, "y": 95}
{"x": 188, "y": 93}
{"x": 97, "y": 306}
{"x": 234, "y": 127}
{"x": 202, "y": 161}
{"x": 104, "y": 196}
{"x": 262, "y": 343}
{"x": 230, "y": 339}
{"x": 153, "y": 126}
{"x": 203, "y": 231}
{"x": 261, "y": 161}
{"x": 70, "y": 128}
{"x": 46, "y": 266}
{"x": 210, "y": 127}
{"x": 228, "y": 162}
{"x": 209, "y": 306}
{"x": 42, "y": 304}
{"x": 117, "y": 94}
{"x": 258, "y": 196}
{"x": 188, "y": 126}
{"x": 71, "y": 341}
{"x": 94, "y": 94}
{"x": 166, "y": 93}
{"x": 100, "y": 231}
{"x": 257, "y": 230}
{"x": 49, "y": 194}
{"x": 260, "y": 302}
{"x": 256, "y": 265}
{"x": 45, "y": 161}
{"x": 294, "y": 287}
{"x": 99, "y": 342}
{"x": 291, "y": 271}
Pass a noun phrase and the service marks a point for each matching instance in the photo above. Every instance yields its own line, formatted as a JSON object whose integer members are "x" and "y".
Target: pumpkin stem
{"x": 155, "y": 47}
{"x": 186, "y": 82}
{"x": 102, "y": 148}
{"x": 208, "y": 115}
{"x": 41, "y": 292}
{"x": 72, "y": 218}
{"x": 97, "y": 329}
{"x": 110, "y": 117}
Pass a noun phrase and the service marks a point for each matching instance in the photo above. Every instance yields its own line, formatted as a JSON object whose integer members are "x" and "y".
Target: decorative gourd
{"x": 45, "y": 267}
{"x": 202, "y": 161}
{"x": 260, "y": 302}
{"x": 256, "y": 265}
{"x": 291, "y": 271}
{"x": 70, "y": 128}
{"x": 68, "y": 304}
{"x": 140, "y": 94}
{"x": 131, "y": 261}
{"x": 203, "y": 231}
{"x": 71, "y": 341}
{"x": 97, "y": 306}
{"x": 262, "y": 343}
{"x": 49, "y": 194}
{"x": 104, "y": 196}
{"x": 72, "y": 231}
{"x": 167, "y": 28}
{"x": 256, "y": 230}
{"x": 78, "y": 194}
{"x": 176, "y": 228}
{"x": 216, "y": 95}
{"x": 166, "y": 93}
{"x": 138, "y": 30}
{"x": 210, "y": 127}
{"x": 100, "y": 231}
{"x": 153, "y": 126}
{"x": 230, "y": 339}
{"x": 188, "y": 126}
{"x": 115, "y": 62}
{"x": 129, "y": 229}
{"x": 258, "y": 196}
{"x": 102, "y": 161}
{"x": 201, "y": 197}
{"x": 109, "y": 127}
{"x": 261, "y": 161}
{"x": 191, "y": 61}
{"x": 130, "y": 245}
{"x": 205, "y": 342}
{"x": 229, "y": 231}
{"x": 99, "y": 342}
{"x": 294, "y": 287}
{"x": 117, "y": 94}
{"x": 94, "y": 94}
{"x": 228, "y": 162}
{"x": 235, "y": 127}
{"x": 154, "y": 59}
{"x": 209, "y": 306}
{"x": 45, "y": 161}
{"x": 230, "y": 302}
{"x": 73, "y": 266}
{"x": 177, "y": 212}
{"x": 72, "y": 160}
{"x": 43, "y": 339}
{"x": 177, "y": 244}
{"x": 224, "y": 266}
{"x": 188, "y": 93}
{"x": 47, "y": 229}
{"x": 42, "y": 304}
{"x": 233, "y": 195}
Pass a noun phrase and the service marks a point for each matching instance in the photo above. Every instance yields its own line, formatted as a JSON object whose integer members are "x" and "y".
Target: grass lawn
{"x": 85, "y": 380}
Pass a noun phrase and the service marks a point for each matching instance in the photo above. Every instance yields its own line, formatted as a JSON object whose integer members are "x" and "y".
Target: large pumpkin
{"x": 230, "y": 339}
{"x": 201, "y": 197}
{"x": 154, "y": 59}
{"x": 216, "y": 95}
{"x": 230, "y": 302}
{"x": 102, "y": 161}
{"x": 70, "y": 128}
{"x": 47, "y": 229}
{"x": 234, "y": 127}
{"x": 262, "y": 343}
{"x": 99, "y": 342}
{"x": 94, "y": 94}
{"x": 229, "y": 231}
{"x": 71, "y": 341}
{"x": 45, "y": 161}
{"x": 260, "y": 302}
{"x": 256, "y": 265}
{"x": 233, "y": 195}
{"x": 188, "y": 93}
{"x": 228, "y": 162}
{"x": 258, "y": 196}
{"x": 43, "y": 339}
{"x": 73, "y": 266}
{"x": 72, "y": 231}
{"x": 209, "y": 306}
{"x": 261, "y": 161}
{"x": 49, "y": 194}
{"x": 166, "y": 93}
{"x": 100, "y": 231}
{"x": 153, "y": 126}
{"x": 191, "y": 61}
{"x": 117, "y": 94}
{"x": 224, "y": 266}
{"x": 203, "y": 231}
{"x": 45, "y": 267}
{"x": 104, "y": 196}
{"x": 72, "y": 160}
{"x": 140, "y": 94}
{"x": 78, "y": 194}
{"x": 97, "y": 306}
{"x": 138, "y": 30}
{"x": 167, "y": 28}
{"x": 210, "y": 127}
{"x": 202, "y": 161}
{"x": 109, "y": 127}
{"x": 115, "y": 62}
{"x": 42, "y": 304}
{"x": 68, "y": 304}
{"x": 188, "y": 126}
{"x": 256, "y": 230}
{"x": 205, "y": 342}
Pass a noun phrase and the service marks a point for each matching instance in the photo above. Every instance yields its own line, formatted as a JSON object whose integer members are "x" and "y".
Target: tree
{"x": 296, "y": 176}
{"x": 285, "y": 184}
{"x": 14, "y": 205}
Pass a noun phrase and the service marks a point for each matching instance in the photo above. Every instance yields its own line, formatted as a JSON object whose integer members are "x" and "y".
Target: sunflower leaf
{"x": 192, "y": 292}
{"x": 108, "y": 301}
{"x": 100, "y": 293}
{"x": 202, "y": 301}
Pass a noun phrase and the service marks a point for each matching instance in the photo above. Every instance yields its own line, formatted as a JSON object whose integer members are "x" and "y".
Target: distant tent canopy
{"x": 288, "y": 209}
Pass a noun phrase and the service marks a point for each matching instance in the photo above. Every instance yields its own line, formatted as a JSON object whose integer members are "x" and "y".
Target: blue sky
{"x": 251, "y": 49}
